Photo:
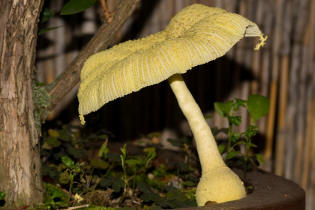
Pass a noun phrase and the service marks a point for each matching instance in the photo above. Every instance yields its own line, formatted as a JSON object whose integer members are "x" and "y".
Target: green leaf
{"x": 250, "y": 132}
{"x": 103, "y": 151}
{"x": 103, "y": 137}
{"x": 189, "y": 184}
{"x": 223, "y": 108}
{"x": 235, "y": 137}
{"x": 124, "y": 151}
{"x": 64, "y": 135}
{"x": 98, "y": 163}
{"x": 240, "y": 102}
{"x": 134, "y": 162}
{"x": 52, "y": 142}
{"x": 45, "y": 30}
{"x": 2, "y": 195}
{"x": 260, "y": 158}
{"x": 235, "y": 120}
{"x": 76, "y": 153}
{"x": 76, "y": 6}
{"x": 232, "y": 154}
{"x": 258, "y": 106}
{"x": 151, "y": 196}
{"x": 64, "y": 177}
{"x": 67, "y": 161}
{"x": 50, "y": 171}
{"x": 53, "y": 133}
{"x": 46, "y": 15}
{"x": 55, "y": 197}
{"x": 221, "y": 148}
{"x": 118, "y": 184}
{"x": 151, "y": 154}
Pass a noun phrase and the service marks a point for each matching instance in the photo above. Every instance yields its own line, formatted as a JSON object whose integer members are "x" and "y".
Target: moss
{"x": 41, "y": 102}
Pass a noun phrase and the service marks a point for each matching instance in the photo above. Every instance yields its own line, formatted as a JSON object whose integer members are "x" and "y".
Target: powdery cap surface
{"x": 196, "y": 35}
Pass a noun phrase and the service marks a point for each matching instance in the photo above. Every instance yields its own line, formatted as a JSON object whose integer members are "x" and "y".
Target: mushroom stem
{"x": 218, "y": 183}
{"x": 208, "y": 152}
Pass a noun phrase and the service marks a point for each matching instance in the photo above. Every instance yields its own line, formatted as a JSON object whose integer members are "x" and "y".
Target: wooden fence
{"x": 284, "y": 71}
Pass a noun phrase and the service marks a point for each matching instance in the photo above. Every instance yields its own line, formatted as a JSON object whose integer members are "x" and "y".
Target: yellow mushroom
{"x": 196, "y": 35}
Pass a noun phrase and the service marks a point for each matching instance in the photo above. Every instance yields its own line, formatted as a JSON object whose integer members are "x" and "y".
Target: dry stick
{"x": 103, "y": 37}
{"x": 78, "y": 207}
{"x": 106, "y": 11}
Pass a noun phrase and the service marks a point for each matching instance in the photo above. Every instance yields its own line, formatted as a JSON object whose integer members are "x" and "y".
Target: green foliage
{"x": 257, "y": 106}
{"x": 46, "y": 15}
{"x": 2, "y": 198}
{"x": 79, "y": 173}
{"x": 41, "y": 101}
{"x": 55, "y": 197}
{"x": 76, "y": 6}
{"x": 112, "y": 179}
{"x": 70, "y": 8}
{"x": 47, "y": 29}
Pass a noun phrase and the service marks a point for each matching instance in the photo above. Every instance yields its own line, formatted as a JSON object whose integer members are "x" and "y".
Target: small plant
{"x": 2, "y": 198}
{"x": 78, "y": 174}
{"x": 71, "y": 170}
{"x": 257, "y": 107}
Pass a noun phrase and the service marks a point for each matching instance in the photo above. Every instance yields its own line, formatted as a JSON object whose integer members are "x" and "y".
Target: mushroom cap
{"x": 196, "y": 35}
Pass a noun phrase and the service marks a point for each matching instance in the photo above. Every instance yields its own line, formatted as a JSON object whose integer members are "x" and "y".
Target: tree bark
{"x": 20, "y": 176}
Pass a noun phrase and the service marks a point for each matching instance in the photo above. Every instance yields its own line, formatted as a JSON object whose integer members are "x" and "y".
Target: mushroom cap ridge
{"x": 196, "y": 35}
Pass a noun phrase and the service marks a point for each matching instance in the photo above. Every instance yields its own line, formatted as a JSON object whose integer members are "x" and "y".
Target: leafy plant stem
{"x": 229, "y": 138}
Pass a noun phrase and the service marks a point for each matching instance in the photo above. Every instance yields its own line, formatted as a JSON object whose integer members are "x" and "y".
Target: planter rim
{"x": 270, "y": 192}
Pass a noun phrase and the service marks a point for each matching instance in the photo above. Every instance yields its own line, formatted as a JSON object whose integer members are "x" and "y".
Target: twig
{"x": 107, "y": 13}
{"x": 77, "y": 207}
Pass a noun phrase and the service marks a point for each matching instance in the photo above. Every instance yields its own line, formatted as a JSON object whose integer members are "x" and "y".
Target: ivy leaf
{"x": 258, "y": 106}
{"x": 223, "y": 108}
{"x": 76, "y": 6}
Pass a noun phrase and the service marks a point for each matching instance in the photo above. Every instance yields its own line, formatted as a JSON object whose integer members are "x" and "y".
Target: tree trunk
{"x": 20, "y": 176}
